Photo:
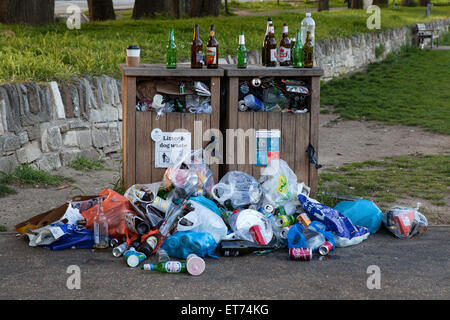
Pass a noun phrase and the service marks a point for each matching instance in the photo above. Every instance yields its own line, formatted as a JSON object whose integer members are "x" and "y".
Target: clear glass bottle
{"x": 101, "y": 240}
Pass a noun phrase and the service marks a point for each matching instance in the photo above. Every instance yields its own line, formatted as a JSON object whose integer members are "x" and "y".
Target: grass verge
{"x": 55, "y": 52}
{"x": 84, "y": 164}
{"x": 410, "y": 88}
{"x": 390, "y": 180}
{"x": 28, "y": 175}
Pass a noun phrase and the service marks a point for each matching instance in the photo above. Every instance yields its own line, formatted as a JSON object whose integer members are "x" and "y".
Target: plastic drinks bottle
{"x": 308, "y": 25}
{"x": 242, "y": 52}
{"x": 171, "y": 53}
{"x": 162, "y": 255}
{"x": 167, "y": 267}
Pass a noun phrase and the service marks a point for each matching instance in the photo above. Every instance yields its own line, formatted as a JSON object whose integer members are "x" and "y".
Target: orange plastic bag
{"x": 115, "y": 206}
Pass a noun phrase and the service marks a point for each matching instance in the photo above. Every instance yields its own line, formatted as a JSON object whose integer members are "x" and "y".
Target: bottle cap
{"x": 195, "y": 265}
{"x": 308, "y": 14}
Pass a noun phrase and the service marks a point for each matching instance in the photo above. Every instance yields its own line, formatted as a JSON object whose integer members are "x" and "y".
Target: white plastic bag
{"x": 278, "y": 183}
{"x": 202, "y": 219}
{"x": 239, "y": 187}
{"x": 242, "y": 221}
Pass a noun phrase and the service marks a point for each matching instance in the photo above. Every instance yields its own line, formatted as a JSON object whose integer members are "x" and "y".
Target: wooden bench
{"x": 422, "y": 33}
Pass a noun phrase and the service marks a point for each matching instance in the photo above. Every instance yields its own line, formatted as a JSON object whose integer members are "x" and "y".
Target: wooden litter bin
{"x": 297, "y": 130}
{"x": 138, "y": 146}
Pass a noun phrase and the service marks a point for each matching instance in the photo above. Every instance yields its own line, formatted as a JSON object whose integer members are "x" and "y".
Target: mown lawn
{"x": 386, "y": 181}
{"x": 55, "y": 52}
{"x": 410, "y": 88}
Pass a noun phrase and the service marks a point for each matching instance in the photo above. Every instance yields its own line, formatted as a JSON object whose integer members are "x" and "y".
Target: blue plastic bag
{"x": 183, "y": 243}
{"x": 296, "y": 238}
{"x": 76, "y": 237}
{"x": 362, "y": 213}
{"x": 211, "y": 205}
{"x": 344, "y": 231}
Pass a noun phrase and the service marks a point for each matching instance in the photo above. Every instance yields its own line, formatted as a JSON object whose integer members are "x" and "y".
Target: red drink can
{"x": 325, "y": 248}
{"x": 256, "y": 233}
{"x": 300, "y": 254}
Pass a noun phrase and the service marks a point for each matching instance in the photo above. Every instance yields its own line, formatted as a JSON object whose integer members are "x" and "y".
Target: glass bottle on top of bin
{"x": 242, "y": 52}
{"x": 171, "y": 52}
{"x": 212, "y": 50}
{"x": 197, "y": 49}
{"x": 285, "y": 48}
{"x": 308, "y": 40}
{"x": 266, "y": 38}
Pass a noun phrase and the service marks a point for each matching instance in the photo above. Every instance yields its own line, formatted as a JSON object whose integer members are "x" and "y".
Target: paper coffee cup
{"x": 195, "y": 265}
{"x": 133, "y": 56}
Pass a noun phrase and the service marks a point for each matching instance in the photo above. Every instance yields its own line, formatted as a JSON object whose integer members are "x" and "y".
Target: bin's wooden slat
{"x": 161, "y": 123}
{"x": 215, "y": 126}
{"x": 245, "y": 141}
{"x": 260, "y": 71}
{"x": 288, "y": 138}
{"x": 301, "y": 168}
{"x": 160, "y": 70}
{"x": 231, "y": 123}
{"x": 260, "y": 123}
{"x": 314, "y": 131}
{"x": 129, "y": 130}
{"x": 144, "y": 148}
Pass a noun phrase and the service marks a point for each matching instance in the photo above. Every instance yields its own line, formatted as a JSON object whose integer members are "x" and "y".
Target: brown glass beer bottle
{"x": 212, "y": 50}
{"x": 197, "y": 49}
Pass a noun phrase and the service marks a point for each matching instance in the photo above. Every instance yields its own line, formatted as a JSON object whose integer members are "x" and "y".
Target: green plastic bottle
{"x": 167, "y": 267}
{"x": 297, "y": 52}
{"x": 171, "y": 53}
{"x": 242, "y": 52}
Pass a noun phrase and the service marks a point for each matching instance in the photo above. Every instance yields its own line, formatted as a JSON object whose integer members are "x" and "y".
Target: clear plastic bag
{"x": 202, "y": 219}
{"x": 405, "y": 222}
{"x": 239, "y": 187}
{"x": 278, "y": 183}
{"x": 242, "y": 221}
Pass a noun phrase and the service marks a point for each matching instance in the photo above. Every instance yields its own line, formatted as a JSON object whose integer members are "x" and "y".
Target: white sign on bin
{"x": 170, "y": 147}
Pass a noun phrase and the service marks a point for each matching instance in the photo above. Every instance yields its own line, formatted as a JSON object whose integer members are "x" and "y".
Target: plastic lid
{"x": 195, "y": 266}
{"x": 133, "y": 47}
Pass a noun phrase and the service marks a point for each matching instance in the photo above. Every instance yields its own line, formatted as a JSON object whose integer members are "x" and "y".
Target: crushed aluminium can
{"x": 325, "y": 248}
{"x": 300, "y": 254}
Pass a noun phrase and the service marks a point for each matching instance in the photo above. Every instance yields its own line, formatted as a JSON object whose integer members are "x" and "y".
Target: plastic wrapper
{"x": 405, "y": 222}
{"x": 278, "y": 183}
{"x": 183, "y": 243}
{"x": 239, "y": 187}
{"x": 202, "y": 219}
{"x": 242, "y": 221}
{"x": 190, "y": 174}
{"x": 344, "y": 231}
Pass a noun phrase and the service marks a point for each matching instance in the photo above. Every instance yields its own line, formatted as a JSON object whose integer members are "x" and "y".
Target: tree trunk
{"x": 381, "y": 2}
{"x": 100, "y": 10}
{"x": 357, "y": 4}
{"x": 148, "y": 8}
{"x": 200, "y": 8}
{"x": 34, "y": 12}
{"x": 424, "y": 3}
{"x": 323, "y": 5}
{"x": 407, "y": 3}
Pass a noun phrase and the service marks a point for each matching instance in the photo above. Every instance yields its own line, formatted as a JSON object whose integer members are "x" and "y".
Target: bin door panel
{"x": 144, "y": 147}
{"x": 288, "y": 138}
{"x": 245, "y": 143}
{"x": 302, "y": 127}
{"x": 161, "y": 123}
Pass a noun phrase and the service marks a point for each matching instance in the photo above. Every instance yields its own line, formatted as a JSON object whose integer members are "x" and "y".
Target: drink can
{"x": 280, "y": 211}
{"x": 134, "y": 258}
{"x": 300, "y": 254}
{"x": 113, "y": 243}
{"x": 119, "y": 250}
{"x": 256, "y": 233}
{"x": 325, "y": 248}
{"x": 285, "y": 221}
{"x": 195, "y": 265}
{"x": 266, "y": 209}
{"x": 304, "y": 219}
{"x": 284, "y": 233}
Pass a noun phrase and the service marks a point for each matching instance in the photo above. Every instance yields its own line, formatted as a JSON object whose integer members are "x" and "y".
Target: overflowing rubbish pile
{"x": 162, "y": 96}
{"x": 187, "y": 217}
{"x": 270, "y": 94}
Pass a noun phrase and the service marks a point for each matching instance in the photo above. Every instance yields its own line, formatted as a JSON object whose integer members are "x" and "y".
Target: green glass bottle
{"x": 167, "y": 267}
{"x": 242, "y": 52}
{"x": 297, "y": 52}
{"x": 171, "y": 53}
{"x": 308, "y": 52}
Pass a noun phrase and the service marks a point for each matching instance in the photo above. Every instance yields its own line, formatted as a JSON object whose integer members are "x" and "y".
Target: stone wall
{"x": 49, "y": 125}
